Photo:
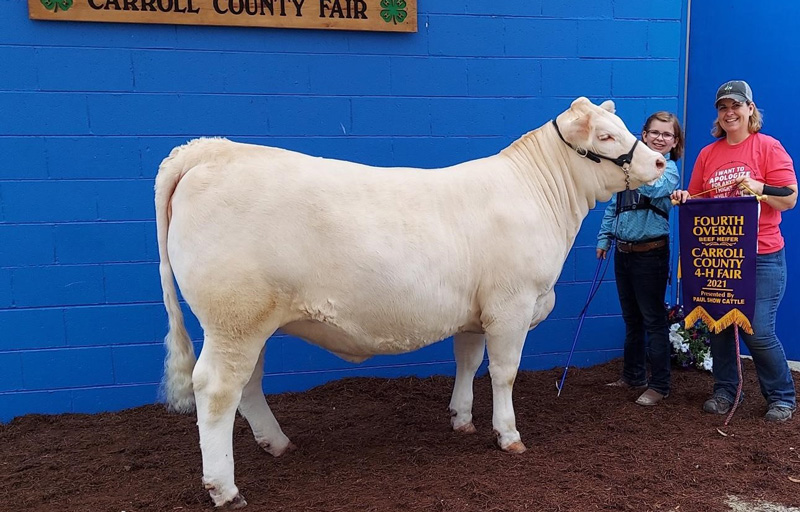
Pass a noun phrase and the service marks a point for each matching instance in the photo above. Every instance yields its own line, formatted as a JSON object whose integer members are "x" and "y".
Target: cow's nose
{"x": 661, "y": 163}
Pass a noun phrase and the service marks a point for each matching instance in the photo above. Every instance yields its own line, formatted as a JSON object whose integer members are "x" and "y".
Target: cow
{"x": 364, "y": 261}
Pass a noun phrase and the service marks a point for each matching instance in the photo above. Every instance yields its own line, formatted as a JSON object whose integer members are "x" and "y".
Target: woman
{"x": 639, "y": 221}
{"x": 745, "y": 161}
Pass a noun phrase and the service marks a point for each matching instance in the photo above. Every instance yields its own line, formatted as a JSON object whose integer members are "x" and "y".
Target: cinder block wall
{"x": 88, "y": 110}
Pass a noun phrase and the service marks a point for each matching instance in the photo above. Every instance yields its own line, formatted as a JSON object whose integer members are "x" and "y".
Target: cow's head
{"x": 595, "y": 131}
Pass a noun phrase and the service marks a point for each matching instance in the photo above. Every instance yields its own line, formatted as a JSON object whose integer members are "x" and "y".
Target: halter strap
{"x": 623, "y": 160}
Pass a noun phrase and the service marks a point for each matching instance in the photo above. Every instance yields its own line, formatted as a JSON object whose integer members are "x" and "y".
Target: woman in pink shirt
{"x": 743, "y": 160}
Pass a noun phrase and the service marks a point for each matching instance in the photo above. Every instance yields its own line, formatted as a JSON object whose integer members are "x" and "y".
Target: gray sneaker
{"x": 717, "y": 405}
{"x": 778, "y": 413}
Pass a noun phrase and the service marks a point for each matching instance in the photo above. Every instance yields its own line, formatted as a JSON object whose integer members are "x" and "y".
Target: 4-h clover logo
{"x": 392, "y": 11}
{"x": 55, "y": 5}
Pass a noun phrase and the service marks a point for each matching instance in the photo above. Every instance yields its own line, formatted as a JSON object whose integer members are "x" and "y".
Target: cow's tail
{"x": 176, "y": 386}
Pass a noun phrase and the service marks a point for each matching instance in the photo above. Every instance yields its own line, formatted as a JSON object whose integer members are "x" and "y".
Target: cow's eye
{"x": 604, "y": 137}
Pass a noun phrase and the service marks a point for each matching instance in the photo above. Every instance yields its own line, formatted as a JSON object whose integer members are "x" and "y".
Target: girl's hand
{"x": 679, "y": 196}
{"x": 749, "y": 186}
{"x": 601, "y": 254}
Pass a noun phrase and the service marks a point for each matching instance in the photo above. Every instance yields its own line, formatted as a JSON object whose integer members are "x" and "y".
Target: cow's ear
{"x": 580, "y": 127}
{"x": 579, "y": 102}
{"x": 583, "y": 124}
{"x": 608, "y": 105}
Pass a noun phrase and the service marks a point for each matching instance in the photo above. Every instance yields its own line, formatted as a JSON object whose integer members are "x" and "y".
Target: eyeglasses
{"x": 667, "y": 136}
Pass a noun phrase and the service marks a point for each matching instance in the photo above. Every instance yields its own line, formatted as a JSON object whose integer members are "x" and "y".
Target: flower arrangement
{"x": 690, "y": 347}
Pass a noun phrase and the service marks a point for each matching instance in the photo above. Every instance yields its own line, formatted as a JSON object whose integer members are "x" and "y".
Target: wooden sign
{"x": 375, "y": 15}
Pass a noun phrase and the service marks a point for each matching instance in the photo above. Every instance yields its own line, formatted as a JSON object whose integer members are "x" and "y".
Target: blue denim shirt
{"x": 641, "y": 224}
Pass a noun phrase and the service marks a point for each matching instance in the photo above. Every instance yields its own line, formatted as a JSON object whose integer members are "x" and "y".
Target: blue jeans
{"x": 641, "y": 283}
{"x": 774, "y": 376}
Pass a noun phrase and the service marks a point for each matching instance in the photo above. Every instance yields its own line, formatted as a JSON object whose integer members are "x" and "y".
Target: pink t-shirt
{"x": 763, "y": 159}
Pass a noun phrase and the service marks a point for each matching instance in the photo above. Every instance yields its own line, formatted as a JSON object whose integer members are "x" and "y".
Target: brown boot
{"x": 650, "y": 397}
{"x": 621, "y": 383}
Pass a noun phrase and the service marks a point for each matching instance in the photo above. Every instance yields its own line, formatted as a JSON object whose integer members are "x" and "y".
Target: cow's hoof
{"x": 235, "y": 504}
{"x": 512, "y": 447}
{"x": 220, "y": 499}
{"x": 515, "y": 447}
{"x": 469, "y": 428}
{"x": 277, "y": 451}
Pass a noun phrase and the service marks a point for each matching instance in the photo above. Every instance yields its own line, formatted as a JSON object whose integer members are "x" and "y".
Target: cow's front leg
{"x": 225, "y": 365}
{"x": 504, "y": 344}
{"x": 255, "y": 409}
{"x": 468, "y": 349}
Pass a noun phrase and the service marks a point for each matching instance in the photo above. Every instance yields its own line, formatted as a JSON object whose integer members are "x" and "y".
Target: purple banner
{"x": 718, "y": 240}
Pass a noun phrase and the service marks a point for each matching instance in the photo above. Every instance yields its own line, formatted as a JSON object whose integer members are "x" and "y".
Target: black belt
{"x": 627, "y": 247}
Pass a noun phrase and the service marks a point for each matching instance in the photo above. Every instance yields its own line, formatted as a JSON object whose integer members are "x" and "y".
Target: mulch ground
{"x": 367, "y": 444}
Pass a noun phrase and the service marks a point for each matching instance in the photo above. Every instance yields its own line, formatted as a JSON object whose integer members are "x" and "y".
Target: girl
{"x": 639, "y": 221}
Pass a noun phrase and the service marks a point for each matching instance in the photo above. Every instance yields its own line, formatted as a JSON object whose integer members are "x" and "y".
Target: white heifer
{"x": 365, "y": 261}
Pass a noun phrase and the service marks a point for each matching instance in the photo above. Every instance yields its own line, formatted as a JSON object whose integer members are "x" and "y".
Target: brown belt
{"x": 640, "y": 246}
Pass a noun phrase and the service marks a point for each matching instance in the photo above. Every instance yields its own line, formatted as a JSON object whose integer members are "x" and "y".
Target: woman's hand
{"x": 679, "y": 196}
{"x": 601, "y": 254}
{"x": 749, "y": 186}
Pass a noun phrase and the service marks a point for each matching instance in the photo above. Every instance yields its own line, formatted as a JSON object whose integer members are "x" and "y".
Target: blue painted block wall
{"x": 88, "y": 110}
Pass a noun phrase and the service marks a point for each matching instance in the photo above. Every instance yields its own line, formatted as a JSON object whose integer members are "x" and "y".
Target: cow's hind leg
{"x": 504, "y": 344}
{"x": 224, "y": 367}
{"x": 255, "y": 409}
{"x": 468, "y": 349}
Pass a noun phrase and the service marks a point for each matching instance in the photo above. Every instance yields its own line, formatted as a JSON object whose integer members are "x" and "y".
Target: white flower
{"x": 676, "y": 340}
{"x": 674, "y": 327}
{"x": 708, "y": 362}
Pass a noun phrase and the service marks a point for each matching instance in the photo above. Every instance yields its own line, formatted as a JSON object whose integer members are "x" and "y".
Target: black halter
{"x": 623, "y": 160}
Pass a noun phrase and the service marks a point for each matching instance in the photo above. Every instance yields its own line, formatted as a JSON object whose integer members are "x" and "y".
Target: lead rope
{"x": 624, "y": 162}
{"x": 592, "y": 291}
{"x": 595, "y": 284}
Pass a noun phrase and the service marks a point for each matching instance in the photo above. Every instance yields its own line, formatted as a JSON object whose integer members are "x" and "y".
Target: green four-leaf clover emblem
{"x": 55, "y": 5}
{"x": 392, "y": 11}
